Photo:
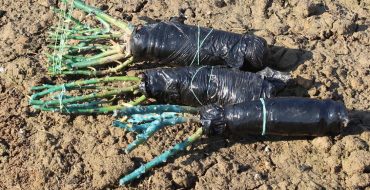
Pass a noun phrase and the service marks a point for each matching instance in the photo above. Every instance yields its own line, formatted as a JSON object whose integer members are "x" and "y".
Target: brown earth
{"x": 330, "y": 40}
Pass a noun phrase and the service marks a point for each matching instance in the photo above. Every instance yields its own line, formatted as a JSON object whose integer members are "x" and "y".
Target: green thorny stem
{"x": 79, "y": 49}
{"x": 145, "y": 121}
{"x": 101, "y": 99}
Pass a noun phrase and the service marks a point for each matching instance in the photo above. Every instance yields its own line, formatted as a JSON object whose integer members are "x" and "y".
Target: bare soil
{"x": 328, "y": 40}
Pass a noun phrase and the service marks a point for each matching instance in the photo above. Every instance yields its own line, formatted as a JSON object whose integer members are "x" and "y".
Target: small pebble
{"x": 189, "y": 13}
{"x": 257, "y": 176}
{"x": 304, "y": 167}
{"x": 267, "y": 149}
{"x": 104, "y": 7}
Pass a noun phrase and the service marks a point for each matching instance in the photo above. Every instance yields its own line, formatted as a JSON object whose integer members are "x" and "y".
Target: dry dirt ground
{"x": 330, "y": 40}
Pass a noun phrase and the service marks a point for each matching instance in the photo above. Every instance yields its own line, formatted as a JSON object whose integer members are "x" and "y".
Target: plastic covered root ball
{"x": 181, "y": 44}
{"x": 198, "y": 86}
{"x": 276, "y": 116}
{"x": 102, "y": 45}
{"x": 192, "y": 86}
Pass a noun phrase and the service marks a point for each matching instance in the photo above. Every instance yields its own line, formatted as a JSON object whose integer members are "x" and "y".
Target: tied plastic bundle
{"x": 196, "y": 86}
{"x": 111, "y": 45}
{"x": 276, "y": 116}
{"x": 192, "y": 86}
{"x": 181, "y": 44}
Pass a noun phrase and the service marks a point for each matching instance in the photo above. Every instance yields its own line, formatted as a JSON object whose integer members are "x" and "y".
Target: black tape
{"x": 284, "y": 116}
{"x": 177, "y": 43}
{"x": 195, "y": 86}
{"x": 213, "y": 119}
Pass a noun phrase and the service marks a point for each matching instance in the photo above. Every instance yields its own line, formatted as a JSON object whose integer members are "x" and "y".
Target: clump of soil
{"x": 325, "y": 42}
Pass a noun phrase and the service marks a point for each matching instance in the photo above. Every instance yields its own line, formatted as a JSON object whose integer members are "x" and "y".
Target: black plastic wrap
{"x": 177, "y": 43}
{"x": 270, "y": 73}
{"x": 284, "y": 116}
{"x": 195, "y": 86}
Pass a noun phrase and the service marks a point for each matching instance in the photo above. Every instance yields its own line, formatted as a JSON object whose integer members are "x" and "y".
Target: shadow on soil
{"x": 287, "y": 59}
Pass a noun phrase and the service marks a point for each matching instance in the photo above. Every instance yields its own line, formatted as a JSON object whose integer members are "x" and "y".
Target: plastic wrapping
{"x": 284, "y": 116}
{"x": 177, "y": 43}
{"x": 195, "y": 86}
{"x": 270, "y": 73}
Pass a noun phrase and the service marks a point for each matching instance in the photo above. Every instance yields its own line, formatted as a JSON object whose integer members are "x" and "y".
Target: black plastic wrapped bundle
{"x": 177, "y": 43}
{"x": 283, "y": 116}
{"x": 195, "y": 86}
